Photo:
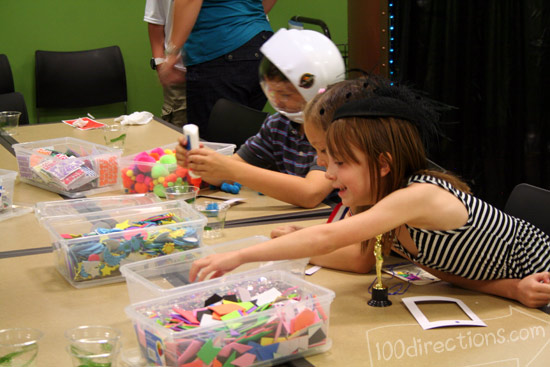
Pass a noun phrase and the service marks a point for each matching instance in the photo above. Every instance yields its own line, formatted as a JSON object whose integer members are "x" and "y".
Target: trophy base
{"x": 379, "y": 298}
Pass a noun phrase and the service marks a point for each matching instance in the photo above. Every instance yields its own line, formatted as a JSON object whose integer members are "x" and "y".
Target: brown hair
{"x": 394, "y": 140}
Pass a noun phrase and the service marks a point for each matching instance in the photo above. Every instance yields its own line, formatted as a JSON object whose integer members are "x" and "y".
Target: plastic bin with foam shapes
{"x": 245, "y": 319}
{"x": 90, "y": 247}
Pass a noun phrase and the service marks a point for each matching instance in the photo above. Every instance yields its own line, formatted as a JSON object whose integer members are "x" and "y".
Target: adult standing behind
{"x": 158, "y": 15}
{"x": 221, "y": 50}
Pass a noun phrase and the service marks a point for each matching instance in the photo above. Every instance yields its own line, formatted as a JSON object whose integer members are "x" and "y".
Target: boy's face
{"x": 283, "y": 96}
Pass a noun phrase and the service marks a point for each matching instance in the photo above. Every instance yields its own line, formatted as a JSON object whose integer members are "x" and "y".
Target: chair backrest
{"x": 80, "y": 78}
{"x": 532, "y": 204}
{"x": 232, "y": 122}
{"x": 15, "y": 102}
{"x": 6, "y": 76}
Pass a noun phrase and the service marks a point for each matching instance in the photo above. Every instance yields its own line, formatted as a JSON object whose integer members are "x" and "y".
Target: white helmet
{"x": 308, "y": 59}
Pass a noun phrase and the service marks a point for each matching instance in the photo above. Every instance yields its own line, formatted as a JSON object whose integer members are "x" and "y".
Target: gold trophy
{"x": 379, "y": 291}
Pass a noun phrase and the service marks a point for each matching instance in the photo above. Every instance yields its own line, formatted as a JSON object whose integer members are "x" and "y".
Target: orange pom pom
{"x": 141, "y": 188}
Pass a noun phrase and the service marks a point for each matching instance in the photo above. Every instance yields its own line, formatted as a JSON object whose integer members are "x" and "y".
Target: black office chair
{"x": 532, "y": 204}
{"x": 231, "y": 122}
{"x": 80, "y": 79}
{"x": 6, "y": 76}
{"x": 15, "y": 102}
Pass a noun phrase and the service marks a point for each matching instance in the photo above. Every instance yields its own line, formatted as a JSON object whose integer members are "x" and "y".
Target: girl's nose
{"x": 329, "y": 175}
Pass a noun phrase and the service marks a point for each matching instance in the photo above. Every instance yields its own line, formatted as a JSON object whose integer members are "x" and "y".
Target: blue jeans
{"x": 233, "y": 76}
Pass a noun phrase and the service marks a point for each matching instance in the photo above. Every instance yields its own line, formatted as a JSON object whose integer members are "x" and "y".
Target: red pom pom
{"x": 171, "y": 178}
{"x": 127, "y": 182}
{"x": 195, "y": 181}
{"x": 181, "y": 171}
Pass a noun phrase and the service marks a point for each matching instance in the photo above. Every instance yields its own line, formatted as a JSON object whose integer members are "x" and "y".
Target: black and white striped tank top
{"x": 491, "y": 245}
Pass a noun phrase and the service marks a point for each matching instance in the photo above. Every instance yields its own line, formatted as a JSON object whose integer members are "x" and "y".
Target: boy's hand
{"x": 534, "y": 290}
{"x": 211, "y": 165}
{"x": 217, "y": 264}
{"x": 282, "y": 230}
{"x": 182, "y": 154}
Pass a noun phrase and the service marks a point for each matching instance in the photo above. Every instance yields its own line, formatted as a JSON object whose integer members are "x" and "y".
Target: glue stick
{"x": 191, "y": 132}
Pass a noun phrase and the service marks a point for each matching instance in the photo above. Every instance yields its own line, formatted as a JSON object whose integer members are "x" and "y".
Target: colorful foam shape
{"x": 208, "y": 352}
{"x": 190, "y": 352}
{"x": 245, "y": 360}
{"x": 215, "y": 298}
{"x": 196, "y": 363}
{"x": 265, "y": 353}
{"x": 188, "y": 315}
{"x": 317, "y": 337}
{"x": 226, "y": 308}
{"x": 240, "y": 348}
{"x": 304, "y": 319}
{"x": 229, "y": 361}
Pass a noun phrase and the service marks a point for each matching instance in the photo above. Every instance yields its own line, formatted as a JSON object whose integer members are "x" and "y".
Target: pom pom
{"x": 158, "y": 151}
{"x": 171, "y": 177}
{"x": 181, "y": 171}
{"x": 159, "y": 170}
{"x": 144, "y": 158}
{"x": 159, "y": 191}
{"x": 141, "y": 188}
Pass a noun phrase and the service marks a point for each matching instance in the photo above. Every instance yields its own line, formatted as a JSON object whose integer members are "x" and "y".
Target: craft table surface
{"x": 35, "y": 295}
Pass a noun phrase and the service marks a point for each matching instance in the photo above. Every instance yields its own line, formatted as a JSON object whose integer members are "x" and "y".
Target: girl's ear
{"x": 384, "y": 159}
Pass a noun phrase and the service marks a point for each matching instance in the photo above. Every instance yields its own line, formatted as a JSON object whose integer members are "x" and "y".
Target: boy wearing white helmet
{"x": 279, "y": 161}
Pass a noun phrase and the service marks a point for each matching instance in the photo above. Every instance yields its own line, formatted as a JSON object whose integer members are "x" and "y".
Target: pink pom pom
{"x": 144, "y": 158}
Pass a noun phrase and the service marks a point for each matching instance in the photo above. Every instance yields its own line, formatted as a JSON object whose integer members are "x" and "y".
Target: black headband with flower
{"x": 398, "y": 102}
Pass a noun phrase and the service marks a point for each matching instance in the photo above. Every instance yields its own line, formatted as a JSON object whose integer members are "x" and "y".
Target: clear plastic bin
{"x": 90, "y": 247}
{"x": 292, "y": 322}
{"x": 59, "y": 208}
{"x": 156, "y": 169}
{"x": 69, "y": 166}
{"x": 7, "y": 182}
{"x": 168, "y": 275}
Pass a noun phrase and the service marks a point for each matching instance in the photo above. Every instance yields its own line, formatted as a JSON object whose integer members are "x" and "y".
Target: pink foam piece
{"x": 191, "y": 351}
{"x": 241, "y": 348}
{"x": 245, "y": 360}
{"x": 188, "y": 315}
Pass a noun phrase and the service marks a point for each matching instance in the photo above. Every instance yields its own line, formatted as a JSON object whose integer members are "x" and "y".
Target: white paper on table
{"x": 411, "y": 303}
{"x": 136, "y": 118}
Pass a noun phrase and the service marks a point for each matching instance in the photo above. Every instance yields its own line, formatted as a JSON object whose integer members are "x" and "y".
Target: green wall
{"x": 71, "y": 25}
